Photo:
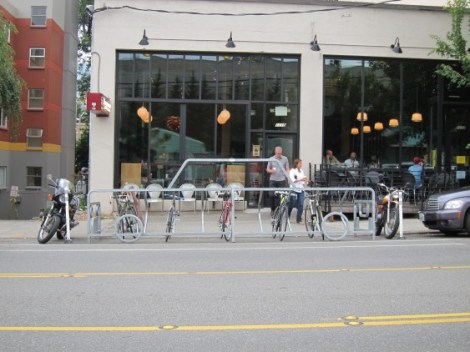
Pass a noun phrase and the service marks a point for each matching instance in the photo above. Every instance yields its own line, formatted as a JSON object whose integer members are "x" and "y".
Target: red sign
{"x": 98, "y": 104}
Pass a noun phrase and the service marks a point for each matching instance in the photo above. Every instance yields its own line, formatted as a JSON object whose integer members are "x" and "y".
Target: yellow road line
{"x": 386, "y": 320}
{"x": 245, "y": 272}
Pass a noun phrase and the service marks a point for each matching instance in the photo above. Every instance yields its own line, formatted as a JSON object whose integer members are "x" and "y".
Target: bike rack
{"x": 95, "y": 228}
{"x": 364, "y": 209}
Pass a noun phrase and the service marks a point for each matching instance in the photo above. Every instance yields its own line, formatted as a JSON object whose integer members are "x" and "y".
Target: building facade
{"x": 290, "y": 73}
{"x": 46, "y": 58}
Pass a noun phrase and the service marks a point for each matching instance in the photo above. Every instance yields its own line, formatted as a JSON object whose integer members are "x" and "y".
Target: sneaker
{"x": 300, "y": 222}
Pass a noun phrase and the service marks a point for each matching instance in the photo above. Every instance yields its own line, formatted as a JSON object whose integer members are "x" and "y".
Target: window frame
{"x": 33, "y": 177}
{"x": 38, "y": 15}
{"x": 3, "y": 119}
{"x": 3, "y": 177}
{"x": 41, "y": 58}
{"x": 34, "y": 134}
{"x": 30, "y": 99}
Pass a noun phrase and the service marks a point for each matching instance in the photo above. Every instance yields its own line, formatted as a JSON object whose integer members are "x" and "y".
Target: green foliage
{"x": 82, "y": 150}
{"x": 455, "y": 46}
{"x": 11, "y": 84}
{"x": 83, "y": 82}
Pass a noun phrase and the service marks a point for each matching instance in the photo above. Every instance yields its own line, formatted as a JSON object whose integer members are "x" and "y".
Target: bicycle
{"x": 171, "y": 219}
{"x": 315, "y": 221}
{"x": 313, "y": 214}
{"x": 129, "y": 226}
{"x": 225, "y": 218}
{"x": 280, "y": 217}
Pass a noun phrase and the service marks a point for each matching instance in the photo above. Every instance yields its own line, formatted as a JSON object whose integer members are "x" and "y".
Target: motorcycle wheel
{"x": 379, "y": 221}
{"x": 391, "y": 226}
{"x": 48, "y": 228}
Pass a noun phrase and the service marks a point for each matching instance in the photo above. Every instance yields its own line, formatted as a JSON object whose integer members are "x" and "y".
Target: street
{"x": 307, "y": 295}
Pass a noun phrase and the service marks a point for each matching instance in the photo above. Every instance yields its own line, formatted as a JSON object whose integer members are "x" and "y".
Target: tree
{"x": 11, "y": 84}
{"x": 455, "y": 46}
{"x": 83, "y": 82}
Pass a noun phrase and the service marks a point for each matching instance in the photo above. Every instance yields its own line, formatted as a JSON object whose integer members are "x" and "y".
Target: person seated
{"x": 373, "y": 164}
{"x": 352, "y": 161}
{"x": 330, "y": 159}
{"x": 417, "y": 171}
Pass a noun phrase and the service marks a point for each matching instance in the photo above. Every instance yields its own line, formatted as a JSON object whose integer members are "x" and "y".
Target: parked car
{"x": 448, "y": 212}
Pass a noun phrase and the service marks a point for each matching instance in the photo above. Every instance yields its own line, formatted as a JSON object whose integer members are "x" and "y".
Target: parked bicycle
{"x": 129, "y": 226}
{"x": 280, "y": 217}
{"x": 327, "y": 225}
{"x": 388, "y": 212}
{"x": 171, "y": 219}
{"x": 313, "y": 214}
{"x": 225, "y": 218}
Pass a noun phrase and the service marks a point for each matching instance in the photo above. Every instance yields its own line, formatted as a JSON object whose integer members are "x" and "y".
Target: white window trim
{"x": 43, "y": 57}
{"x": 35, "y": 98}
{"x": 34, "y": 134}
{"x": 39, "y": 15}
{"x": 3, "y": 177}
{"x": 3, "y": 120}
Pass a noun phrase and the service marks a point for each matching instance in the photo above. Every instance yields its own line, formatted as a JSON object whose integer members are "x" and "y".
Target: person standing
{"x": 299, "y": 180}
{"x": 277, "y": 178}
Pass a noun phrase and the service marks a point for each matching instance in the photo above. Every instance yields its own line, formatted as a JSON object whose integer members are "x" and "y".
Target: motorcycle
{"x": 59, "y": 218}
{"x": 388, "y": 215}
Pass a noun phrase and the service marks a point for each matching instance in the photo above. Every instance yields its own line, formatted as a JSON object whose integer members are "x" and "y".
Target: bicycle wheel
{"x": 170, "y": 223}
{"x": 334, "y": 230}
{"x": 274, "y": 222}
{"x": 227, "y": 225}
{"x": 129, "y": 228}
{"x": 392, "y": 222}
{"x": 282, "y": 225}
{"x": 310, "y": 221}
{"x": 221, "y": 223}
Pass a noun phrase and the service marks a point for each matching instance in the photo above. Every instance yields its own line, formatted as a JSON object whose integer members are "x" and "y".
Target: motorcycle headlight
{"x": 454, "y": 204}
{"x": 62, "y": 198}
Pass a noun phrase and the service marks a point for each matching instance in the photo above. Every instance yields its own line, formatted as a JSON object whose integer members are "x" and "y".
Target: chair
{"x": 154, "y": 192}
{"x": 187, "y": 193}
{"x": 409, "y": 184}
{"x": 239, "y": 194}
{"x": 212, "y": 190}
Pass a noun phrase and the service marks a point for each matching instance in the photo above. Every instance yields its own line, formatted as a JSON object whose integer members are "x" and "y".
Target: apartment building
{"x": 46, "y": 58}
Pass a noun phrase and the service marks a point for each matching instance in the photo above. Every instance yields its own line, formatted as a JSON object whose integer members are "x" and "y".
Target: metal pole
{"x": 400, "y": 212}
{"x": 361, "y": 152}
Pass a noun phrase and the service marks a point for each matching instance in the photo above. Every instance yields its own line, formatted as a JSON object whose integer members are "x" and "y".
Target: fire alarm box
{"x": 98, "y": 103}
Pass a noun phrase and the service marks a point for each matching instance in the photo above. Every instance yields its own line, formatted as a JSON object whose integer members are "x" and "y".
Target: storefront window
{"x": 186, "y": 128}
{"x": 386, "y": 91}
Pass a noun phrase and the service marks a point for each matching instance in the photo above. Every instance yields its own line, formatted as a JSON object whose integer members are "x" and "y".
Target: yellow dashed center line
{"x": 244, "y": 272}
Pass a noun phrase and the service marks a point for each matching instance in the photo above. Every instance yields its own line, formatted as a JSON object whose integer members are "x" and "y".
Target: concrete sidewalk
{"x": 189, "y": 222}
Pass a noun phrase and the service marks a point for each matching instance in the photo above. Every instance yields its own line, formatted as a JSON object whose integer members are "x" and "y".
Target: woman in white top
{"x": 299, "y": 180}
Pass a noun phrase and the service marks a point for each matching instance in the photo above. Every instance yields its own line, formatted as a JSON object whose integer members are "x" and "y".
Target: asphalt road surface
{"x": 399, "y": 295}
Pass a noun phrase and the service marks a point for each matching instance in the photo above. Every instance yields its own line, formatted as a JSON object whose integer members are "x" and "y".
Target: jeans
{"x": 275, "y": 198}
{"x": 297, "y": 201}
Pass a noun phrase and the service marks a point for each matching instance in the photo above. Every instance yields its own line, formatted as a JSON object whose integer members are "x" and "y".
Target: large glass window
{"x": 184, "y": 93}
{"x": 388, "y": 92}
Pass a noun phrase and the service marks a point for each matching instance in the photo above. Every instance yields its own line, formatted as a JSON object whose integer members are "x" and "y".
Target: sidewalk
{"x": 189, "y": 222}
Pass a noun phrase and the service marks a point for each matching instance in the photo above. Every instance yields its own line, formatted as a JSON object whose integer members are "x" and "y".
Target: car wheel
{"x": 449, "y": 233}
{"x": 467, "y": 222}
